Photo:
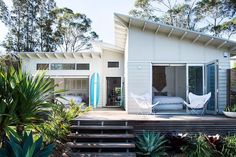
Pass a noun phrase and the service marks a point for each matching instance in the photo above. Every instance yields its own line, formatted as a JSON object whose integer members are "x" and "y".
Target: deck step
{"x": 84, "y": 127}
{"x": 100, "y": 145}
{"x": 102, "y": 136}
{"x": 101, "y": 154}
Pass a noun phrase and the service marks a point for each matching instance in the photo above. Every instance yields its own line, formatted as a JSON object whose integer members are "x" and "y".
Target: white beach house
{"x": 159, "y": 62}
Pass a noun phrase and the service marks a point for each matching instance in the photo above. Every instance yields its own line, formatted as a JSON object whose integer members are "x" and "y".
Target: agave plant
{"x": 151, "y": 144}
{"x": 25, "y": 147}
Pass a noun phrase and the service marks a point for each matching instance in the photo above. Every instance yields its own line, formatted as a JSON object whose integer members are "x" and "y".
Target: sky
{"x": 101, "y": 12}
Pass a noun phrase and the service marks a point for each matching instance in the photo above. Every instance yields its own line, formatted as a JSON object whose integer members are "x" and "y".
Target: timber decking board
{"x": 101, "y": 154}
{"x": 101, "y": 127}
{"x": 126, "y": 136}
{"x": 100, "y": 145}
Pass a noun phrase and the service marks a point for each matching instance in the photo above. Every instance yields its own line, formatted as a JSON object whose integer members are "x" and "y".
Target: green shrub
{"x": 24, "y": 99}
{"x": 175, "y": 142}
{"x": 58, "y": 124}
{"x": 198, "y": 147}
{"x": 230, "y": 108}
{"x": 151, "y": 144}
{"x": 25, "y": 147}
{"x": 229, "y": 146}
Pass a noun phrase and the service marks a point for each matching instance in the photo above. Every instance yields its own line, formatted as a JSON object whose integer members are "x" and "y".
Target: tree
{"x": 73, "y": 30}
{"x": 37, "y": 25}
{"x": 214, "y": 14}
{"x": 24, "y": 25}
{"x": 198, "y": 15}
{"x": 45, "y": 22}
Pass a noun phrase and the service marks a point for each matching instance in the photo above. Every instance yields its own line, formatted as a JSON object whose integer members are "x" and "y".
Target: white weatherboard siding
{"x": 111, "y": 72}
{"x": 97, "y": 64}
{"x": 139, "y": 74}
{"x": 146, "y": 48}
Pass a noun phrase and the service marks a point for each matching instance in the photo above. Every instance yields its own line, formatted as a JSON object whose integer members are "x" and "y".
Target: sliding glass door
{"x": 195, "y": 79}
{"x": 211, "y": 75}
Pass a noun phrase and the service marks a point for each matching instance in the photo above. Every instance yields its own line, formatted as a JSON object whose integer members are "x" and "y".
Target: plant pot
{"x": 230, "y": 114}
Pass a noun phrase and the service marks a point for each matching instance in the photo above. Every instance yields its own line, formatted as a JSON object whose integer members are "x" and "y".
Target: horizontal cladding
{"x": 222, "y": 84}
{"x": 139, "y": 82}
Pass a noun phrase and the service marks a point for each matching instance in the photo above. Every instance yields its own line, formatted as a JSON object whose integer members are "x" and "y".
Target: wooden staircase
{"x": 101, "y": 138}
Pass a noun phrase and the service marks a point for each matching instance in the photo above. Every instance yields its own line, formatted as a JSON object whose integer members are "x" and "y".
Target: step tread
{"x": 116, "y": 154}
{"x": 94, "y": 127}
{"x": 73, "y": 135}
{"x": 100, "y": 145}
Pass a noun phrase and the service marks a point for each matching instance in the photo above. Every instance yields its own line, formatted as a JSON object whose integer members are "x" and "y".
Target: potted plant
{"x": 230, "y": 111}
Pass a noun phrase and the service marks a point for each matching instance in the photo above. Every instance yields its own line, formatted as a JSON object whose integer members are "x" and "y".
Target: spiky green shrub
{"x": 24, "y": 99}
{"x": 198, "y": 147}
{"x": 229, "y": 146}
{"x": 25, "y": 147}
{"x": 151, "y": 144}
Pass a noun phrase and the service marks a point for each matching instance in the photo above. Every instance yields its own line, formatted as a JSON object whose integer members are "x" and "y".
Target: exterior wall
{"x": 111, "y": 72}
{"x": 146, "y": 48}
{"x": 97, "y": 64}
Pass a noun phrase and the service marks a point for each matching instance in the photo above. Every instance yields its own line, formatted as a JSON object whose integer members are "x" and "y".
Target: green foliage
{"x": 175, "y": 142}
{"x": 230, "y": 108}
{"x": 73, "y": 30}
{"x": 24, "y": 98}
{"x": 229, "y": 146}
{"x": 198, "y": 147}
{"x": 38, "y": 25}
{"x": 213, "y": 17}
{"x": 58, "y": 123}
{"x": 151, "y": 144}
{"x": 25, "y": 147}
{"x": 29, "y": 23}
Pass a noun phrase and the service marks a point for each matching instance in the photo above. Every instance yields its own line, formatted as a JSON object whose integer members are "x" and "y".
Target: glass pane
{"x": 60, "y": 66}
{"x": 84, "y": 84}
{"x": 195, "y": 79}
{"x": 211, "y": 86}
{"x": 113, "y": 64}
{"x": 42, "y": 66}
{"x": 82, "y": 66}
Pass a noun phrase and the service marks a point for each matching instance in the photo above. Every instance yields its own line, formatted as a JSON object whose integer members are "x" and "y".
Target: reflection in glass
{"x": 195, "y": 79}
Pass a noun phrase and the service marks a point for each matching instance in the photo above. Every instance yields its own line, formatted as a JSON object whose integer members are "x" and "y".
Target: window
{"x": 60, "y": 66}
{"x": 83, "y": 66}
{"x": 42, "y": 67}
{"x": 113, "y": 64}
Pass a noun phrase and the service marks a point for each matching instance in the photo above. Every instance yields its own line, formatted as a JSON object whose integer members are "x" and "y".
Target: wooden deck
{"x": 165, "y": 123}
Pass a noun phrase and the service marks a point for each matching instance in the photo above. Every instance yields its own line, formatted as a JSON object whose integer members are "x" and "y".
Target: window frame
{"x": 113, "y": 62}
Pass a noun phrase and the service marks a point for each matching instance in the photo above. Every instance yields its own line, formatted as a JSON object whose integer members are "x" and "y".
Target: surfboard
{"x": 94, "y": 89}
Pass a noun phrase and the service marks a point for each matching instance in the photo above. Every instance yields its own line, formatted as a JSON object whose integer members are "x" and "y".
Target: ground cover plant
{"x": 185, "y": 145}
